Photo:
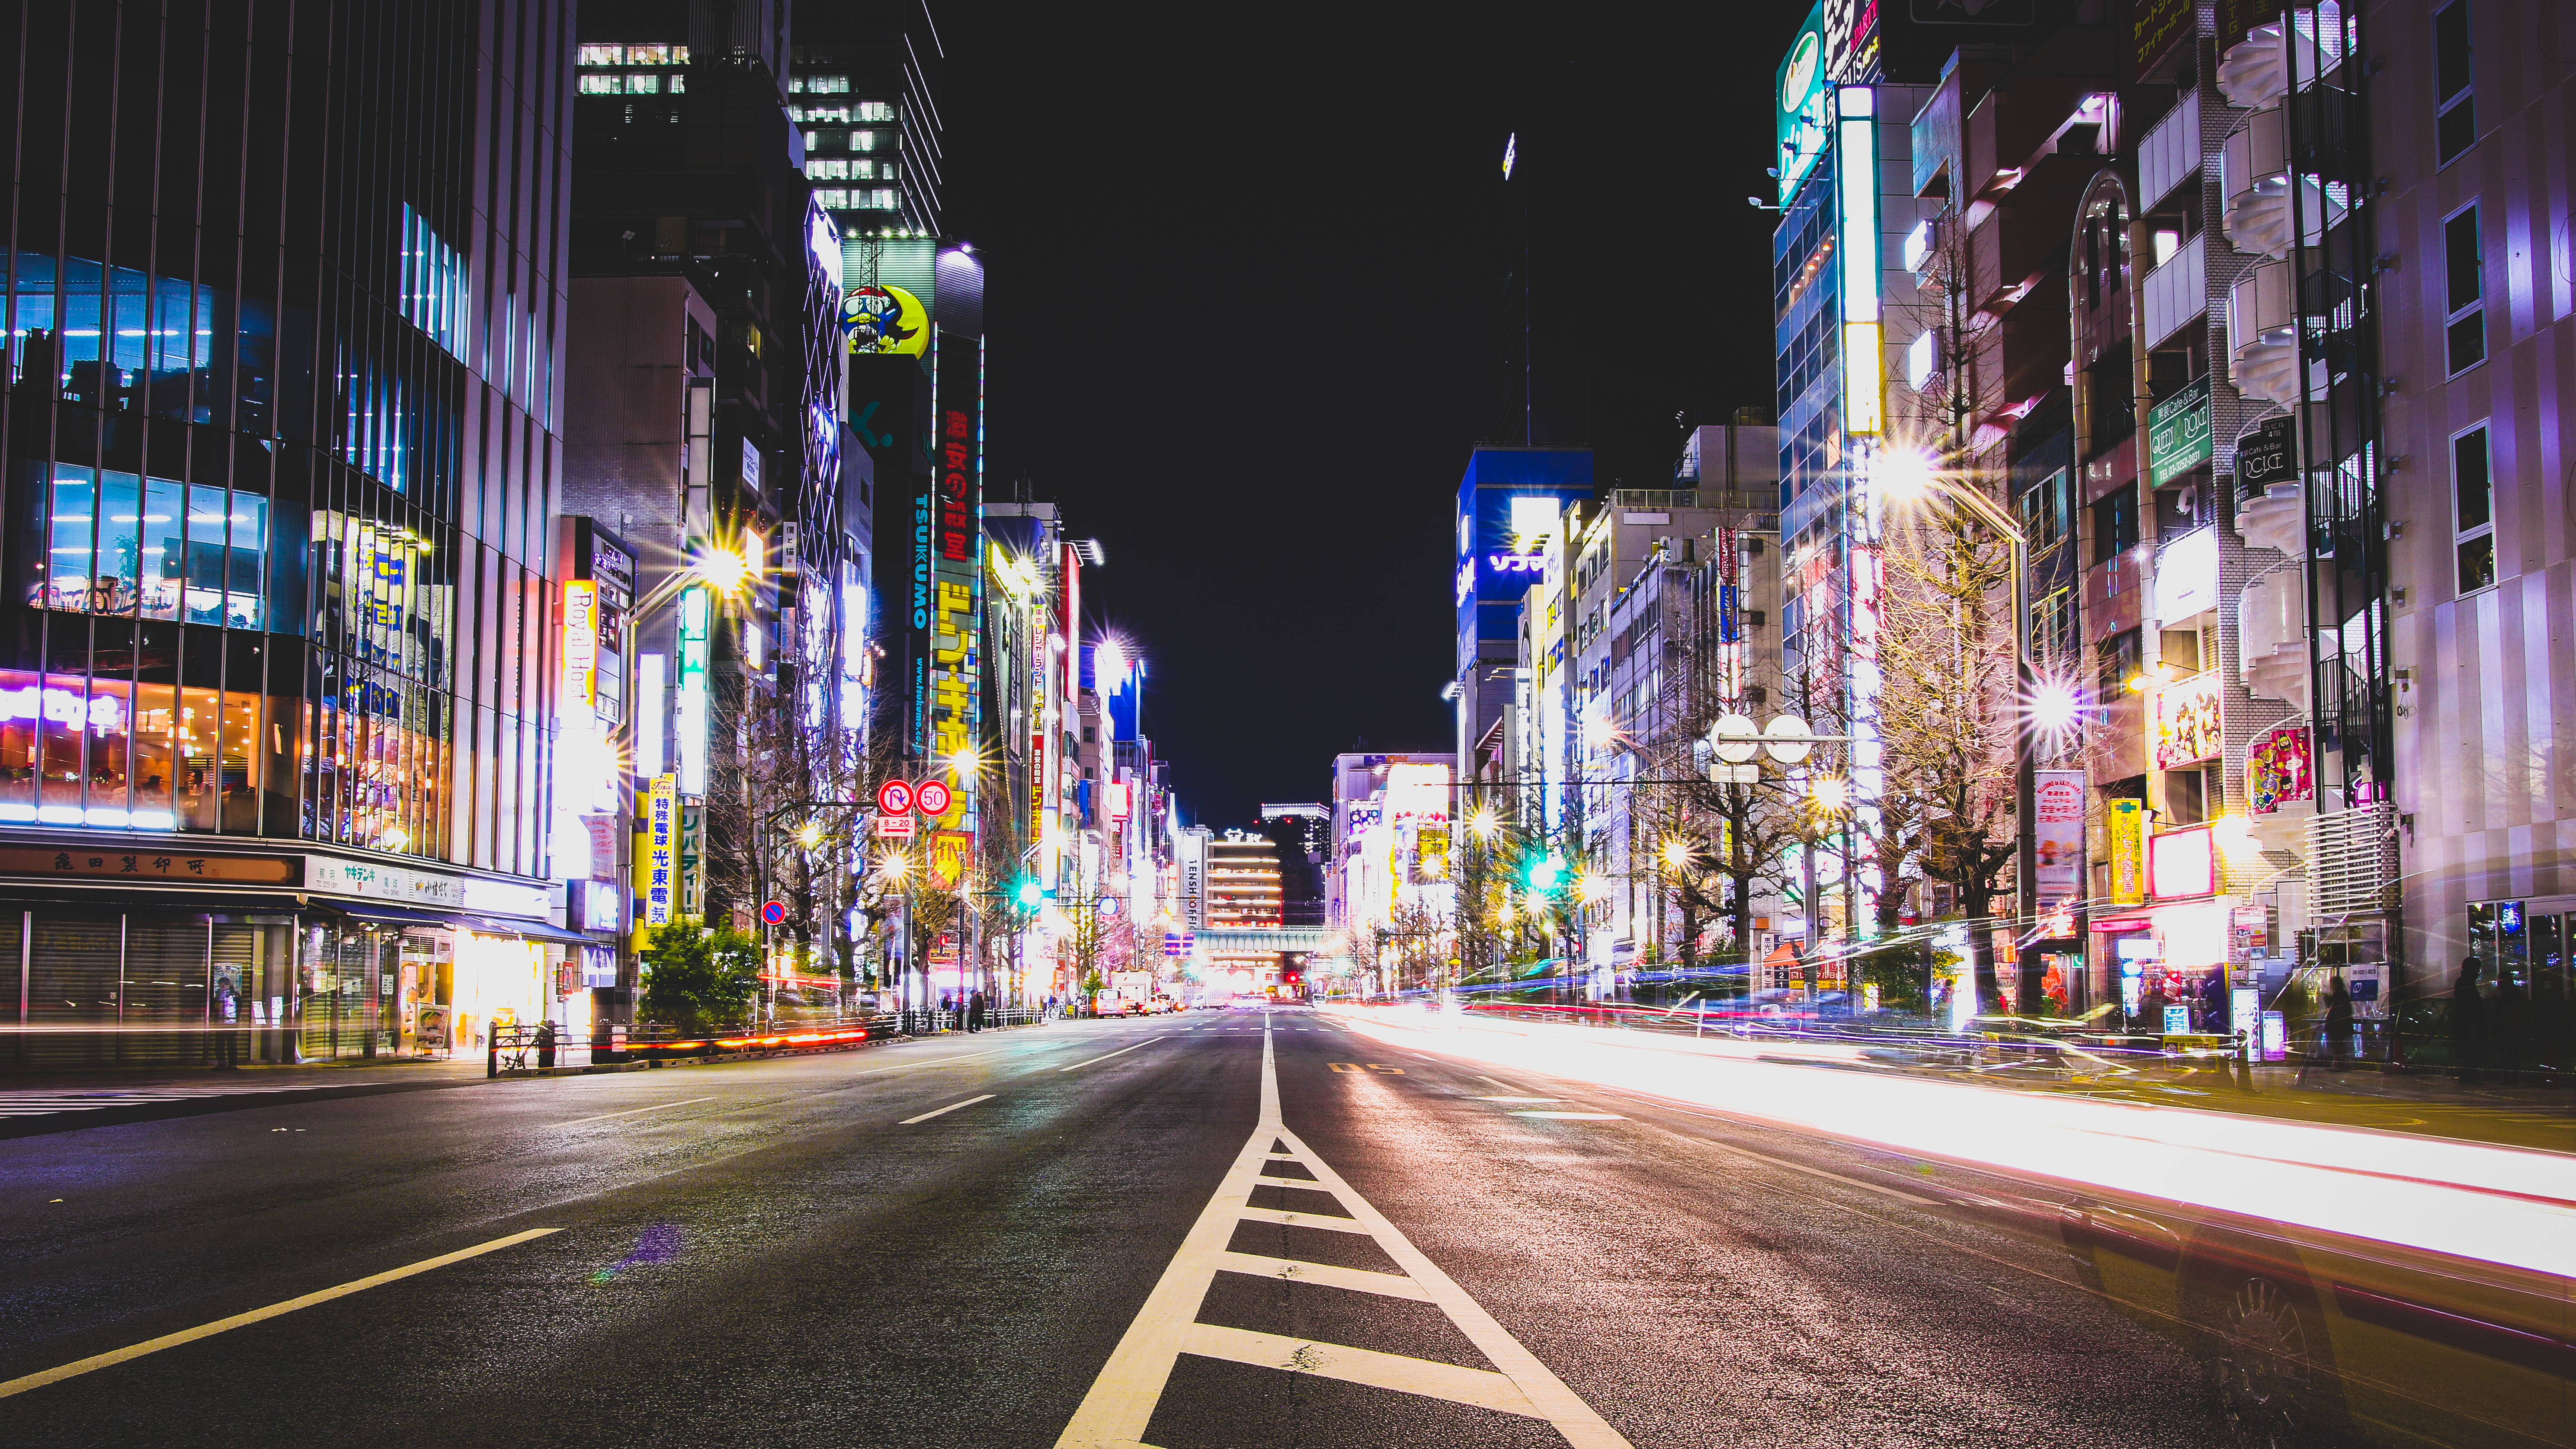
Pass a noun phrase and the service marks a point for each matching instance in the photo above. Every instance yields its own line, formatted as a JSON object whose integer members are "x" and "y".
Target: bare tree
{"x": 1946, "y": 712}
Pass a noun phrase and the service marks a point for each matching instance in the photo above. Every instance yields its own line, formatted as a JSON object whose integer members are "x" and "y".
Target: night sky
{"x": 1248, "y": 312}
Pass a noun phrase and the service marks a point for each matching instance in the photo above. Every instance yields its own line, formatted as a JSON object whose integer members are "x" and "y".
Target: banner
{"x": 2057, "y": 822}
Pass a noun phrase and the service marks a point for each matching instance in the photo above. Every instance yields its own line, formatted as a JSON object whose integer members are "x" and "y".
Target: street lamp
{"x": 1908, "y": 475}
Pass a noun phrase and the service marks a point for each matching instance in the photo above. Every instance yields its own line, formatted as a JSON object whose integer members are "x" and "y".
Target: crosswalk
{"x": 48, "y": 1104}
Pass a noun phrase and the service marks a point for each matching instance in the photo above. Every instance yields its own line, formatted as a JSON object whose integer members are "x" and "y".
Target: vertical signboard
{"x": 580, "y": 646}
{"x": 2124, "y": 821}
{"x": 2058, "y": 834}
{"x": 697, "y": 621}
{"x": 1856, "y": 170}
{"x": 660, "y": 863}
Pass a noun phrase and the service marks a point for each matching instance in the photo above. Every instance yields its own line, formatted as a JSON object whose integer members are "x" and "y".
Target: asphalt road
{"x": 1105, "y": 1243}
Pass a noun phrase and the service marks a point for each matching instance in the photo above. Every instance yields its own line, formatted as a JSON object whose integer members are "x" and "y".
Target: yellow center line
{"x": 258, "y": 1315}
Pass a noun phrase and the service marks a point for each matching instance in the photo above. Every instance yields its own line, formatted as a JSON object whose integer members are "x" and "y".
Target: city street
{"x": 985, "y": 1240}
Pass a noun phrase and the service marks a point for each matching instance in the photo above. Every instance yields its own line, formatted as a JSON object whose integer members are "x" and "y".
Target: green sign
{"x": 2178, "y": 434}
{"x": 1804, "y": 95}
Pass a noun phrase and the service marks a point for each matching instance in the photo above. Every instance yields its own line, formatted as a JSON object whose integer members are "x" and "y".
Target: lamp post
{"x": 1906, "y": 475}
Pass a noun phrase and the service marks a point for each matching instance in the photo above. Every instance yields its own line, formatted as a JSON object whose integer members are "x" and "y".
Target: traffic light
{"x": 1546, "y": 873}
{"x": 1030, "y": 894}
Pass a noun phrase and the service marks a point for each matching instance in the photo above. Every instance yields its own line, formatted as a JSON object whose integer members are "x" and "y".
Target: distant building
{"x": 862, "y": 88}
{"x": 1509, "y": 498}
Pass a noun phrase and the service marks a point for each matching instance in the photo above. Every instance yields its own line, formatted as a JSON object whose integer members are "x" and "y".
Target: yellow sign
{"x": 948, "y": 852}
{"x": 659, "y": 865}
{"x": 2123, "y": 821}
{"x": 885, "y": 320}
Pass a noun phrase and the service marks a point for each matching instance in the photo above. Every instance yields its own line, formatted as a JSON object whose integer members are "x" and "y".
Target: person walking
{"x": 2468, "y": 1022}
{"x": 2338, "y": 1024}
{"x": 2504, "y": 1026}
{"x": 974, "y": 1013}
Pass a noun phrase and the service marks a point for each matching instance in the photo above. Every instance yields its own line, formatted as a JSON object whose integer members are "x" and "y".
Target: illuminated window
{"x": 603, "y": 55}
{"x": 876, "y": 110}
{"x": 827, "y": 168}
{"x": 643, "y": 85}
{"x": 657, "y": 55}
{"x": 821, "y": 85}
{"x": 150, "y": 548}
{"x": 832, "y": 199}
{"x": 603, "y": 85}
{"x": 863, "y": 140}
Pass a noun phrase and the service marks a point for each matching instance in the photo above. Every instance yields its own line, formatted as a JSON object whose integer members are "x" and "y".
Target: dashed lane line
{"x": 942, "y": 1111}
{"x": 1122, "y": 1051}
{"x": 258, "y": 1315}
{"x": 631, "y": 1111}
{"x": 1120, "y": 1406}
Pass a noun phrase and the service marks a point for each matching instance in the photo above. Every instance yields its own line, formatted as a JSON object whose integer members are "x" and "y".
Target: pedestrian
{"x": 947, "y": 1009}
{"x": 2338, "y": 1024}
{"x": 974, "y": 1013}
{"x": 546, "y": 1044}
{"x": 2468, "y": 1022}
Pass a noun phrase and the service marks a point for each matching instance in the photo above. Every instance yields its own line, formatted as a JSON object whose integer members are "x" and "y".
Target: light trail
{"x": 2504, "y": 1205}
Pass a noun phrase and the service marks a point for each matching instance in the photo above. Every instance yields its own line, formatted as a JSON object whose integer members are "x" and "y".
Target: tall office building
{"x": 711, "y": 396}
{"x": 284, "y": 362}
{"x": 863, "y": 88}
{"x": 1508, "y": 503}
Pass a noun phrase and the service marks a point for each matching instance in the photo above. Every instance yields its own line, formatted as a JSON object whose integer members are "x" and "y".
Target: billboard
{"x": 1802, "y": 96}
{"x": 2279, "y": 769}
{"x": 885, "y": 319}
{"x": 2186, "y": 721}
{"x": 1503, "y": 497}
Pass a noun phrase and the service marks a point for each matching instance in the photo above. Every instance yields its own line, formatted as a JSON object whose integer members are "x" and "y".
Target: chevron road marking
{"x": 1120, "y": 1405}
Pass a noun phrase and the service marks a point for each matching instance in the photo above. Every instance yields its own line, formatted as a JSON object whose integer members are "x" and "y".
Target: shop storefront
{"x": 142, "y": 960}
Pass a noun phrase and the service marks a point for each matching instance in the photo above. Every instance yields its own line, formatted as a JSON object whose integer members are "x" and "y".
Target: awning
{"x": 389, "y": 915}
{"x": 526, "y": 929}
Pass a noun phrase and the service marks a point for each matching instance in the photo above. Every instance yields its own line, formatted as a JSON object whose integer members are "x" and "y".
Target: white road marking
{"x": 1120, "y": 1406}
{"x": 951, "y": 1107}
{"x": 1575, "y": 1116}
{"x": 258, "y": 1315}
{"x": 1122, "y": 1051}
{"x": 631, "y": 1111}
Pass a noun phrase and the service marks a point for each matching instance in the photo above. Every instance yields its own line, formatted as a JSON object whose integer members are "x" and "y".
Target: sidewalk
{"x": 248, "y": 1077}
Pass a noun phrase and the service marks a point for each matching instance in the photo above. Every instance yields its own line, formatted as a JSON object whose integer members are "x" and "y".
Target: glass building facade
{"x": 282, "y": 335}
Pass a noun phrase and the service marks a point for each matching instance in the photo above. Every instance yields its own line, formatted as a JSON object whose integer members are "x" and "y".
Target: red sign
{"x": 774, "y": 912}
{"x": 894, "y": 797}
{"x": 894, "y": 827}
{"x": 932, "y": 797}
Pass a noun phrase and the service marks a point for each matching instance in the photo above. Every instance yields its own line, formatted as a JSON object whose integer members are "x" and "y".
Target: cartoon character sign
{"x": 884, "y": 319}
